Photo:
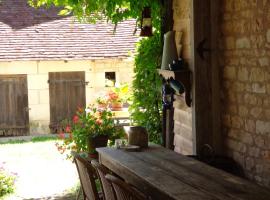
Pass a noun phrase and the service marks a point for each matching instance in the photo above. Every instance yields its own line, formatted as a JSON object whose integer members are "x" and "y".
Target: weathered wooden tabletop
{"x": 164, "y": 175}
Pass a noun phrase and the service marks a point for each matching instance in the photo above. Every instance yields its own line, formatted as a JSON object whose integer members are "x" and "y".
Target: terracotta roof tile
{"x": 29, "y": 34}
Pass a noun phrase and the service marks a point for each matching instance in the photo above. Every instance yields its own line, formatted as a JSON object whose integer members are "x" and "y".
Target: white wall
{"x": 38, "y": 88}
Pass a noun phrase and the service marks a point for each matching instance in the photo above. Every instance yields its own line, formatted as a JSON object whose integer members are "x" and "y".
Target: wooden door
{"x": 67, "y": 93}
{"x": 14, "y": 116}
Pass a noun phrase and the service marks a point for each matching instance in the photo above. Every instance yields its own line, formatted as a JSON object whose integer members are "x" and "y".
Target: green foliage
{"x": 6, "y": 183}
{"x": 120, "y": 94}
{"x": 34, "y": 139}
{"x": 86, "y": 124}
{"x": 145, "y": 110}
{"x": 113, "y": 10}
{"x": 44, "y": 138}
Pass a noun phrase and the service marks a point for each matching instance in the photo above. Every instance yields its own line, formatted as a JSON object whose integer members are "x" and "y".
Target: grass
{"x": 34, "y": 139}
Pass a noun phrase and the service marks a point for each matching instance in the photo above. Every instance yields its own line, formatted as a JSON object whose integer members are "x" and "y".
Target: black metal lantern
{"x": 167, "y": 96}
{"x": 146, "y": 23}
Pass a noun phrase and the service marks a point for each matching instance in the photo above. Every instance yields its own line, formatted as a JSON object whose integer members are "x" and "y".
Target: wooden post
{"x": 166, "y": 17}
{"x": 167, "y": 25}
{"x": 206, "y": 98}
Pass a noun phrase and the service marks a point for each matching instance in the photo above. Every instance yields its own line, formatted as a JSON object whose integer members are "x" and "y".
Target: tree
{"x": 113, "y": 10}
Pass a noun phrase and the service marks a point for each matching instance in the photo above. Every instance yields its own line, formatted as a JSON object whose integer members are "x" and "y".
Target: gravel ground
{"x": 42, "y": 172}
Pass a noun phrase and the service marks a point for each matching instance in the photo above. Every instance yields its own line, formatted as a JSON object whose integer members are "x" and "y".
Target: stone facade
{"x": 245, "y": 75}
{"x": 38, "y": 87}
{"x": 244, "y": 58}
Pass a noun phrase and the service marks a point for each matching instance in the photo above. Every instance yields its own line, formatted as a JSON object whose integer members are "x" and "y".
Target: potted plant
{"x": 114, "y": 100}
{"x": 89, "y": 129}
{"x": 118, "y": 96}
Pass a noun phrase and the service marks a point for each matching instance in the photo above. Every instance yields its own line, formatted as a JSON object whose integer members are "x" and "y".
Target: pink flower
{"x": 62, "y": 135}
{"x": 99, "y": 121}
{"x": 112, "y": 95}
{"x": 68, "y": 129}
{"x": 75, "y": 119}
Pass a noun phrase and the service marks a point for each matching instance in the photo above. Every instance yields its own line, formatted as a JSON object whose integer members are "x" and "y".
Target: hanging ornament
{"x": 146, "y": 23}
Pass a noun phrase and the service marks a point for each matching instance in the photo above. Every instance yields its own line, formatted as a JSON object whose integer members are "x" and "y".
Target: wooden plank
{"x": 167, "y": 19}
{"x": 216, "y": 106}
{"x": 169, "y": 129}
{"x": 159, "y": 171}
{"x": 67, "y": 93}
{"x": 150, "y": 179}
{"x": 14, "y": 116}
{"x": 205, "y": 177}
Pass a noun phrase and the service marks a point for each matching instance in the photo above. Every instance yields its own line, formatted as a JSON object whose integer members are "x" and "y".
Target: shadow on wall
{"x": 18, "y": 14}
{"x": 220, "y": 162}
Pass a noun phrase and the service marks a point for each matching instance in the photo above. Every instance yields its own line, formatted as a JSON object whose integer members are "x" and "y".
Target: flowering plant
{"x": 86, "y": 124}
{"x": 120, "y": 93}
{"x": 7, "y": 181}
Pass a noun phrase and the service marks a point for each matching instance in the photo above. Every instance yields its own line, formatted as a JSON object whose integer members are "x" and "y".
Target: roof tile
{"x": 38, "y": 34}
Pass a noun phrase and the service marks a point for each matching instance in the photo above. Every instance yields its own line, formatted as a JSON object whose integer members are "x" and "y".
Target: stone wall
{"x": 244, "y": 60}
{"x": 183, "y": 139}
{"x": 245, "y": 71}
{"x": 38, "y": 87}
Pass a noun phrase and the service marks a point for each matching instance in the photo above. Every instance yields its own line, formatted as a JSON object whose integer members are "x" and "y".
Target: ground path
{"x": 43, "y": 173}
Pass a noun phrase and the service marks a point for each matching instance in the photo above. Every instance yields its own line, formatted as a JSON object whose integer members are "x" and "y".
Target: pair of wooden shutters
{"x": 67, "y": 93}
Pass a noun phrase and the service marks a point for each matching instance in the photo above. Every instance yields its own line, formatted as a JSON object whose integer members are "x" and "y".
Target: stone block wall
{"x": 38, "y": 87}
{"x": 183, "y": 138}
{"x": 244, "y": 61}
{"x": 245, "y": 74}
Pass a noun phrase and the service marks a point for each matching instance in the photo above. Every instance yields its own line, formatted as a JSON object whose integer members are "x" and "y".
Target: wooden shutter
{"x": 67, "y": 93}
{"x": 14, "y": 116}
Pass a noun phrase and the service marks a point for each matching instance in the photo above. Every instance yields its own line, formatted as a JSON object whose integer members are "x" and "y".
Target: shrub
{"x": 6, "y": 182}
{"x": 146, "y": 106}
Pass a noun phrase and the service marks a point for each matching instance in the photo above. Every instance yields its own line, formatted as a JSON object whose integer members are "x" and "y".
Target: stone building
{"x": 231, "y": 82}
{"x": 39, "y": 48}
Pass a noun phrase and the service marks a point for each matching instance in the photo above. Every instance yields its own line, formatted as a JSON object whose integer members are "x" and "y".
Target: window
{"x": 110, "y": 79}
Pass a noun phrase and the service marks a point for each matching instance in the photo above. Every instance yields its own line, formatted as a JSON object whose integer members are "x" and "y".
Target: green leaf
{"x": 64, "y": 12}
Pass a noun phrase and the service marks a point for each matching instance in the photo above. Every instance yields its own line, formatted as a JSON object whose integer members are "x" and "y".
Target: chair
{"x": 88, "y": 176}
{"x": 124, "y": 191}
{"x": 106, "y": 187}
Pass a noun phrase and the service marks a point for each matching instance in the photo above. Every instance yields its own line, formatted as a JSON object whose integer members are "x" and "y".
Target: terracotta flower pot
{"x": 116, "y": 106}
{"x": 96, "y": 142}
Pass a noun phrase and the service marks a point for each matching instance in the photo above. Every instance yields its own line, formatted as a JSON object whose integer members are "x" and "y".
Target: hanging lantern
{"x": 146, "y": 23}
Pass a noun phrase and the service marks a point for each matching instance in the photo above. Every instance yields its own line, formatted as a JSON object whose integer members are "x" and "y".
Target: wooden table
{"x": 165, "y": 175}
